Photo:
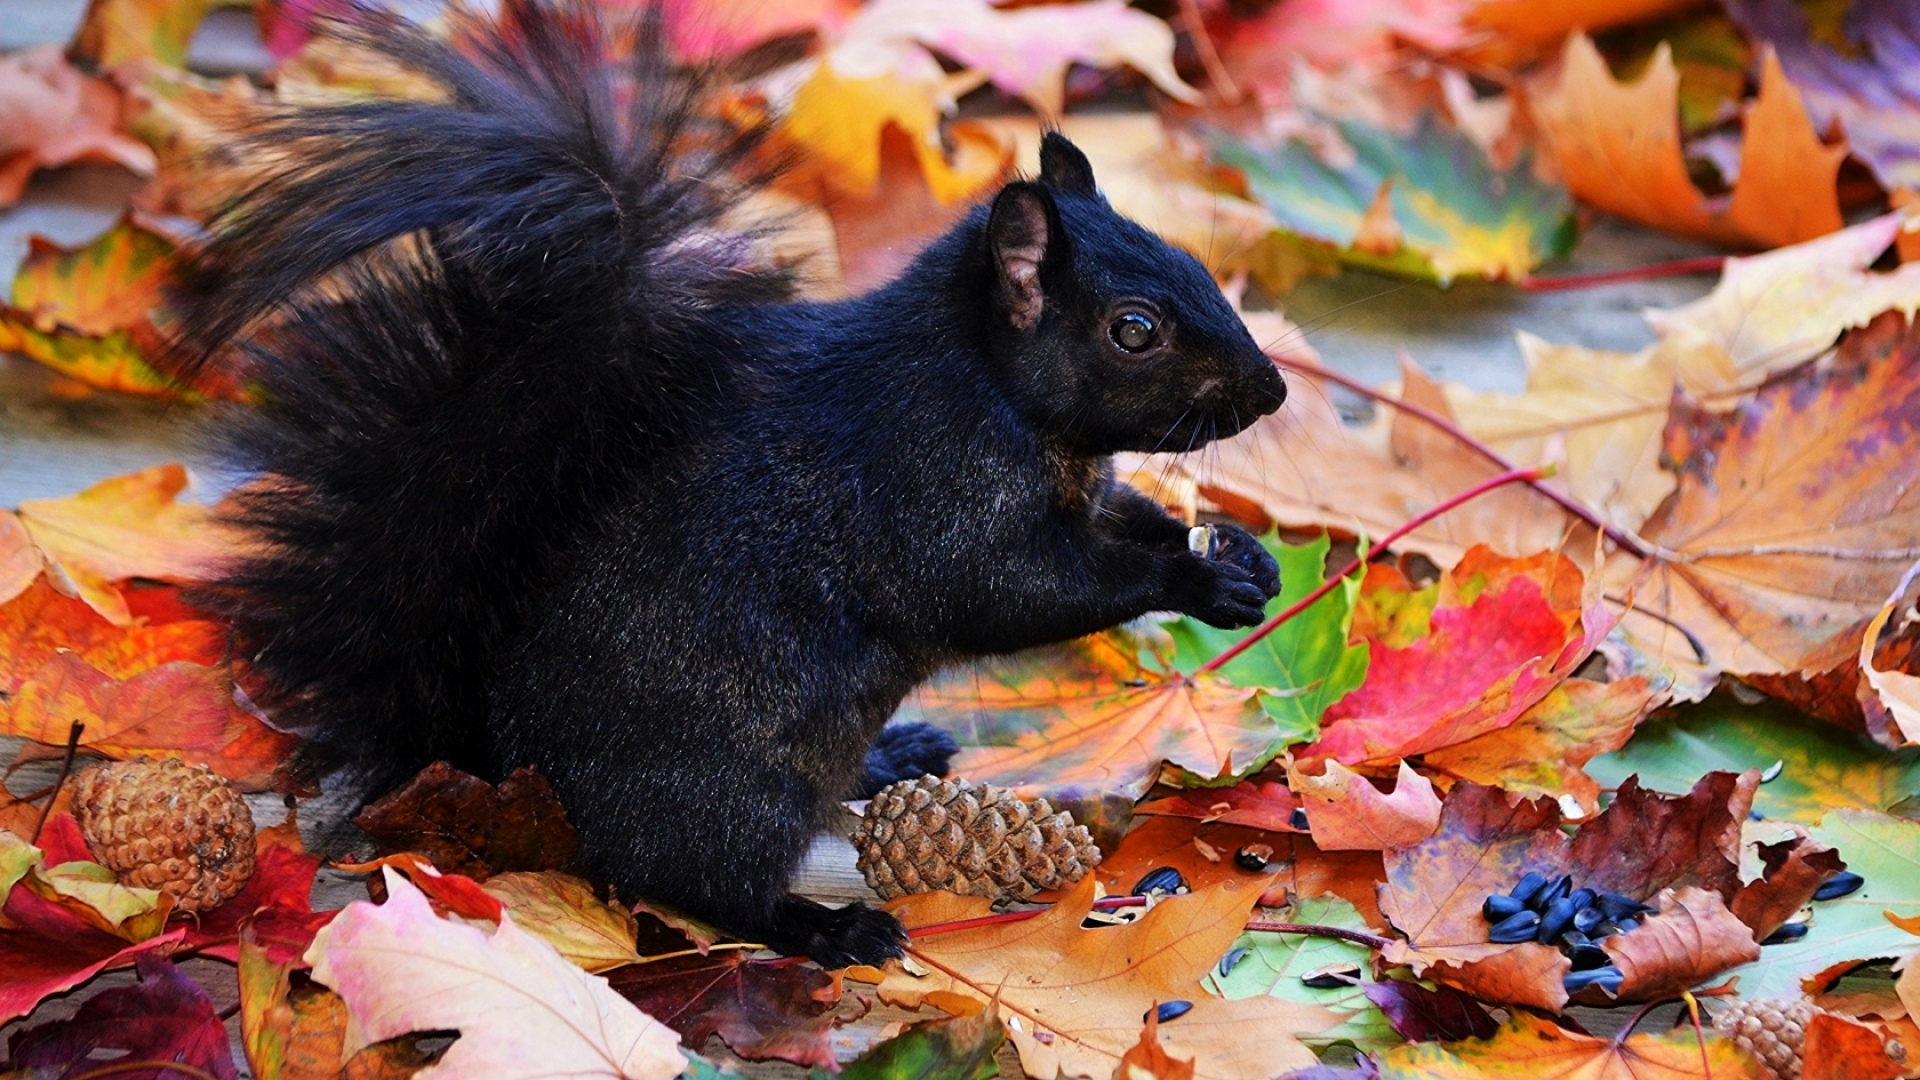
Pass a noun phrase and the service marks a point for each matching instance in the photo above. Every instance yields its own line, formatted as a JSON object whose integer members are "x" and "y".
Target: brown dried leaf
{"x": 464, "y": 825}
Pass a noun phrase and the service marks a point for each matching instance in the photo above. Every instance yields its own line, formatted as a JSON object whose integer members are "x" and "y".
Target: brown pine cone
{"x": 1771, "y": 1029}
{"x": 928, "y": 834}
{"x": 167, "y": 825}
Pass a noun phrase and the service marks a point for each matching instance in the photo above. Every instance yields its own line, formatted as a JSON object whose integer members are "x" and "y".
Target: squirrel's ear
{"x": 1018, "y": 231}
{"x": 1064, "y": 167}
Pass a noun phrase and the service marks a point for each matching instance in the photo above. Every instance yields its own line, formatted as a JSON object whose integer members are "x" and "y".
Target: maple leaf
{"x": 88, "y": 313}
{"x": 1073, "y": 999}
{"x": 1424, "y": 203}
{"x": 163, "y": 1017}
{"x": 962, "y": 1048}
{"x": 1306, "y": 664}
{"x": 1026, "y": 51}
{"x": 1090, "y": 717}
{"x": 51, "y": 115}
{"x": 297, "y": 1031}
{"x": 1544, "y": 751}
{"x": 1274, "y": 965}
{"x": 178, "y": 709}
{"x": 464, "y": 825}
{"x": 1821, "y": 768}
{"x": 1203, "y": 852}
{"x": 1619, "y": 149}
{"x": 593, "y": 934}
{"x": 1879, "y": 921}
{"x": 521, "y": 1009}
{"x": 39, "y": 622}
{"x": 1794, "y": 515}
{"x": 1499, "y": 634}
{"x": 124, "y": 527}
{"x": 1867, "y": 88}
{"x": 1531, "y": 1046}
{"x": 1681, "y": 853}
{"x": 1777, "y": 309}
{"x": 1347, "y": 813}
{"x": 762, "y": 1011}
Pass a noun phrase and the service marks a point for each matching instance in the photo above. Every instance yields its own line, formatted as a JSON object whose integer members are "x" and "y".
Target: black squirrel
{"x": 544, "y": 472}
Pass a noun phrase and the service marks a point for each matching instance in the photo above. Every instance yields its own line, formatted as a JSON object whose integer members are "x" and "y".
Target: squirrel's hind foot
{"x": 905, "y": 751}
{"x": 835, "y": 937}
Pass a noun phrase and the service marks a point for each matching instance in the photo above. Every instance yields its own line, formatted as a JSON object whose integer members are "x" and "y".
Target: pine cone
{"x": 1771, "y": 1029}
{"x": 927, "y": 834}
{"x": 167, "y": 825}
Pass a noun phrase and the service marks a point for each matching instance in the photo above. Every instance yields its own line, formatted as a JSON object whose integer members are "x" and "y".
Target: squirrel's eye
{"x": 1132, "y": 331}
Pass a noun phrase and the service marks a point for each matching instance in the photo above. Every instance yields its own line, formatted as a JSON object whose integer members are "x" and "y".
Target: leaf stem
{"x": 1700, "y": 264}
{"x": 1268, "y": 627}
{"x": 66, "y": 767}
{"x": 1358, "y": 937}
{"x": 1565, "y": 502}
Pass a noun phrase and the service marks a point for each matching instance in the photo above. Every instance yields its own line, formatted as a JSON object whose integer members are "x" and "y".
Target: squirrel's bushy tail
{"x": 468, "y": 322}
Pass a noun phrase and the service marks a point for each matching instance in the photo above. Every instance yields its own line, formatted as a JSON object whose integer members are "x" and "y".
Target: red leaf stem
{"x": 1307, "y": 601}
{"x": 1565, "y": 502}
{"x": 1700, "y": 264}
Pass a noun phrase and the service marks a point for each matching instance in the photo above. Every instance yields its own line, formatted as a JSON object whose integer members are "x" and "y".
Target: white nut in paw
{"x": 1203, "y": 540}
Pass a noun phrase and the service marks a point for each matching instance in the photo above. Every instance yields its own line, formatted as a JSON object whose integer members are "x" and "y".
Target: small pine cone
{"x": 167, "y": 825}
{"x": 1771, "y": 1029}
{"x": 927, "y": 834}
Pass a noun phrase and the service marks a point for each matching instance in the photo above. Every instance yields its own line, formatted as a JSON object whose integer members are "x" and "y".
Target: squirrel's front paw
{"x": 1235, "y": 545}
{"x": 1223, "y": 594}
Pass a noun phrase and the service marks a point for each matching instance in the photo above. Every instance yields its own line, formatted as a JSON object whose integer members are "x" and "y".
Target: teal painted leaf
{"x": 1821, "y": 767}
{"x": 1452, "y": 213}
{"x": 1303, "y": 666}
{"x": 1273, "y": 965}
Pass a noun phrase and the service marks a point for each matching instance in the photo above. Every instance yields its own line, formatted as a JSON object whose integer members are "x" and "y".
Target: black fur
{"x": 546, "y": 476}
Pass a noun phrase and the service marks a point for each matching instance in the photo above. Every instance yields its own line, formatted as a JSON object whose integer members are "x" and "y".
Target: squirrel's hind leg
{"x": 834, "y": 937}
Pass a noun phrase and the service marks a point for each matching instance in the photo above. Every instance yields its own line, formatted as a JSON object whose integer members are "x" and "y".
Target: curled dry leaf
{"x": 1347, "y": 813}
{"x": 51, "y": 115}
{"x": 1619, "y": 148}
{"x": 1889, "y": 698}
{"x": 1073, "y": 998}
{"x": 521, "y": 1009}
{"x": 464, "y": 825}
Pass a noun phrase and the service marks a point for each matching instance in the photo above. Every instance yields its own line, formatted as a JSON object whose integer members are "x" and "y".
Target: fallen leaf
{"x": 1507, "y": 31}
{"x": 1777, "y": 309}
{"x": 1255, "y": 803}
{"x": 165, "y": 1016}
{"x": 1710, "y": 54}
{"x": 1837, "y": 1048}
{"x": 563, "y": 909}
{"x": 1425, "y": 204}
{"x": 877, "y": 235}
{"x": 1347, "y": 813}
{"x": 1089, "y": 989}
{"x": 178, "y": 709}
{"x": 113, "y": 32}
{"x": 1090, "y": 717}
{"x": 1688, "y": 938}
{"x": 1619, "y": 148}
{"x": 39, "y": 622}
{"x": 1546, "y": 750}
{"x": 1860, "y": 927}
{"x": 1501, "y": 634}
{"x": 1791, "y": 872}
{"x": 297, "y": 1031}
{"x": 763, "y": 1011}
{"x": 464, "y": 825}
{"x": 37, "y": 967}
{"x": 193, "y": 126}
{"x": 1890, "y": 698}
{"x": 51, "y": 115}
{"x": 1262, "y": 47}
{"x": 275, "y": 905}
{"x": 962, "y": 1048}
{"x": 1420, "y": 1014}
{"x": 1820, "y": 767}
{"x": 1528, "y": 1045}
{"x": 1794, "y": 513}
{"x": 1148, "y": 1060}
{"x": 521, "y": 1009}
{"x": 124, "y": 527}
{"x": 1275, "y": 965}
{"x": 1867, "y": 86}
{"x": 705, "y": 30}
{"x": 1026, "y": 51}
{"x": 1306, "y": 664}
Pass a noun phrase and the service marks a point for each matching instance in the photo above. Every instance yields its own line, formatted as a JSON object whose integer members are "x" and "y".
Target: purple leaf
{"x": 163, "y": 1017}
